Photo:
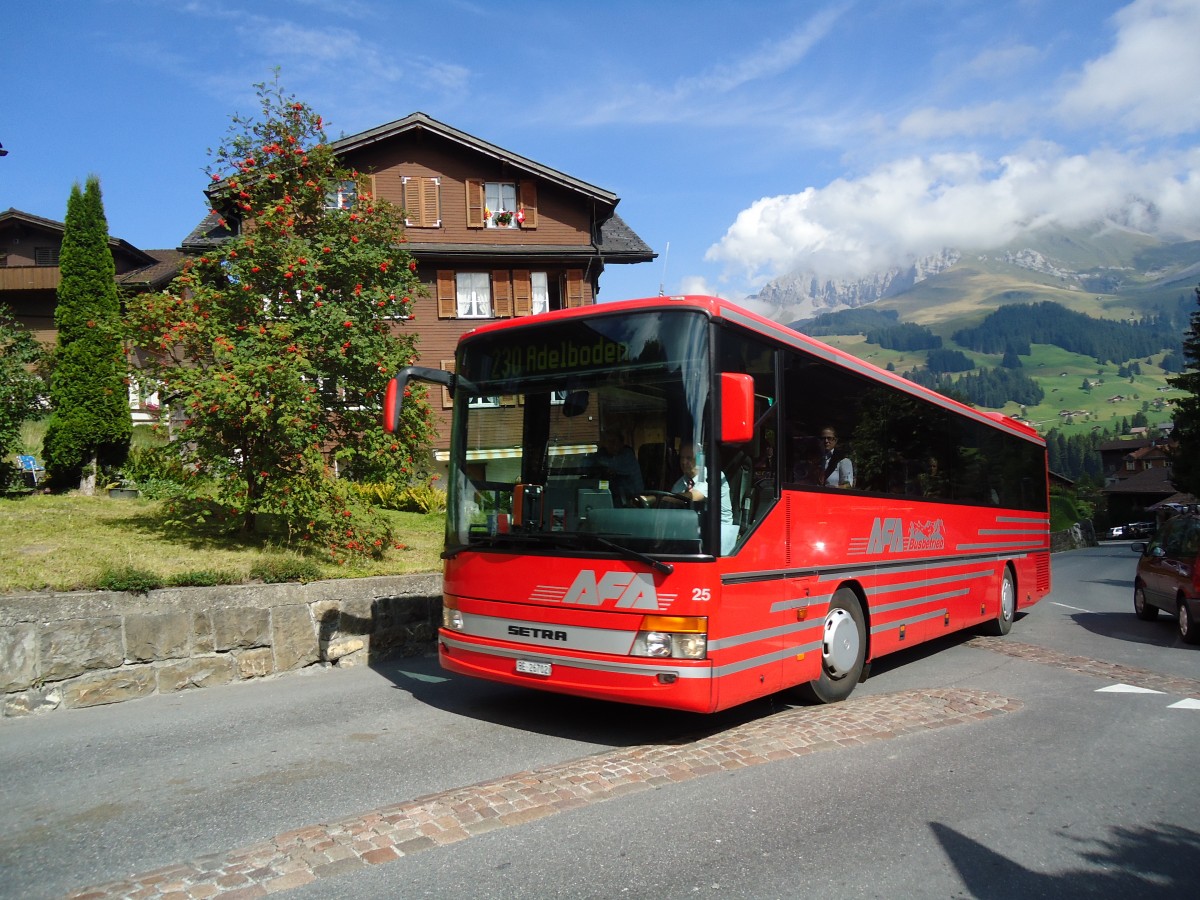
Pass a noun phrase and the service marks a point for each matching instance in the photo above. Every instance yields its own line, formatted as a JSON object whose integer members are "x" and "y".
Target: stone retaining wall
{"x": 70, "y": 650}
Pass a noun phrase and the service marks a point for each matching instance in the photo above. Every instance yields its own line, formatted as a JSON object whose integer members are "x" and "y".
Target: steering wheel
{"x": 642, "y": 499}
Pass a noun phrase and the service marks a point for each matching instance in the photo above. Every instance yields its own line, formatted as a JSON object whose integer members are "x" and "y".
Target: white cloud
{"x": 1149, "y": 81}
{"x": 700, "y": 96}
{"x": 913, "y": 207}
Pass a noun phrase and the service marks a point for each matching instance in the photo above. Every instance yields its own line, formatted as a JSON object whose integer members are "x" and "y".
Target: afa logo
{"x": 629, "y": 590}
{"x": 890, "y": 536}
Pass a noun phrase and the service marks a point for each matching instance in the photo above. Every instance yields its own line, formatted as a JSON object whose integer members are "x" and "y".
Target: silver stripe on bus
{"x": 540, "y": 634}
{"x": 936, "y": 614}
{"x": 766, "y": 659}
{"x": 997, "y": 545}
{"x": 851, "y": 570}
{"x": 738, "y": 639}
{"x": 647, "y": 668}
{"x": 918, "y": 601}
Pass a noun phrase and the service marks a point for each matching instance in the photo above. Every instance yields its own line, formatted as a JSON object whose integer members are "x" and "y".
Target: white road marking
{"x": 1064, "y": 606}
{"x": 1189, "y": 703}
{"x": 1126, "y": 689}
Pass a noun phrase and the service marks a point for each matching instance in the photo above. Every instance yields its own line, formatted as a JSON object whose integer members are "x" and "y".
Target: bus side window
{"x": 751, "y": 469}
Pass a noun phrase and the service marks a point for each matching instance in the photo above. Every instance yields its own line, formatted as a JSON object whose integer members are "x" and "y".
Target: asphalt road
{"x": 1057, "y": 762}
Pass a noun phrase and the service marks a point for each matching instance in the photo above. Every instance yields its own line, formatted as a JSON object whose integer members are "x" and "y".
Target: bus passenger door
{"x": 745, "y": 651}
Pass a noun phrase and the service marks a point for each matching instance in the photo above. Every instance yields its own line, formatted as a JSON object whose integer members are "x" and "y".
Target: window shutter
{"x": 447, "y": 401}
{"x": 410, "y": 199}
{"x": 502, "y": 303}
{"x": 474, "y": 203}
{"x": 574, "y": 288}
{"x": 447, "y": 294}
{"x": 431, "y": 206}
{"x": 522, "y": 292}
{"x": 527, "y": 201}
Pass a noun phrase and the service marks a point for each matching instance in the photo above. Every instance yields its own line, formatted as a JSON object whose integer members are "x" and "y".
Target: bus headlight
{"x": 672, "y": 637}
{"x": 452, "y": 618}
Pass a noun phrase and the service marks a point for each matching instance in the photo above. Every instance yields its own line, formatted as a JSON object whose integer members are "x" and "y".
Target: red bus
{"x": 639, "y": 508}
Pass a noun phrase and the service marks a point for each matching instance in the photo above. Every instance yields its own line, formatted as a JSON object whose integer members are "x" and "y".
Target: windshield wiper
{"x": 657, "y": 564}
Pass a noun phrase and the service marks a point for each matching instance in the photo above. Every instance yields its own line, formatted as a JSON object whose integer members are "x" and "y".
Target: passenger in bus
{"x": 693, "y": 484}
{"x": 933, "y": 483}
{"x": 833, "y": 468}
{"x": 619, "y": 465}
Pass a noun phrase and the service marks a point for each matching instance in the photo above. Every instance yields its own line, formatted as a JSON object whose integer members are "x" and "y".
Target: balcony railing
{"x": 29, "y": 278}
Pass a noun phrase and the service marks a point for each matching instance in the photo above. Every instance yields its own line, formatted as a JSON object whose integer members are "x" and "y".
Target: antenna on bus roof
{"x": 666, "y": 257}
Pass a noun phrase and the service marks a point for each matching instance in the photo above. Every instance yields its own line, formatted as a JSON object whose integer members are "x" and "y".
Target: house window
{"x": 540, "y": 292}
{"x": 45, "y": 256}
{"x": 474, "y": 295}
{"x": 422, "y": 201}
{"x": 342, "y": 197}
{"x": 500, "y": 204}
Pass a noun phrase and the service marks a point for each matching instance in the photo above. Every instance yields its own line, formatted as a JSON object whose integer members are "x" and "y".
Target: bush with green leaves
{"x": 21, "y": 388}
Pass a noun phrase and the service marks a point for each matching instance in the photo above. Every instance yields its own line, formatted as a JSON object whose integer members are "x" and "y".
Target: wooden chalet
{"x": 29, "y": 278}
{"x": 495, "y": 234}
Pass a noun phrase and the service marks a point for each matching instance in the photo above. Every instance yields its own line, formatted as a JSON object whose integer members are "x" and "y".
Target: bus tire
{"x": 1003, "y": 623}
{"x": 843, "y": 651}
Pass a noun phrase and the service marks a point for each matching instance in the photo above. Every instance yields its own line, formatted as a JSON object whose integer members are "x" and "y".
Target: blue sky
{"x": 750, "y": 138}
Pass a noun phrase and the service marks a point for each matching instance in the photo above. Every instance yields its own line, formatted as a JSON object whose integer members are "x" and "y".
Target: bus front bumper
{"x": 667, "y": 683}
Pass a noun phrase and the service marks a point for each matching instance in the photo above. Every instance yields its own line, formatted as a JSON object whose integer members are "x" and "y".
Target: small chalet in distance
{"x": 29, "y": 278}
{"x": 495, "y": 235}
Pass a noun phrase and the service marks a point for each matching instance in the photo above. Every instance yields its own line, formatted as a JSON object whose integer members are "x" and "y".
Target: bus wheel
{"x": 843, "y": 651}
{"x": 1003, "y": 622}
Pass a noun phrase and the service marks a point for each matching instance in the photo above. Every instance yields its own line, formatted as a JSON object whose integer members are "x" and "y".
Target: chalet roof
{"x": 419, "y": 121}
{"x": 39, "y": 222}
{"x": 208, "y": 234}
{"x": 1155, "y": 481}
{"x": 159, "y": 274}
{"x": 1125, "y": 446}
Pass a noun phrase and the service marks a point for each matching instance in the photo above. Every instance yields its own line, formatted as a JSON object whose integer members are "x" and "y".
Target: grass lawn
{"x": 71, "y": 542}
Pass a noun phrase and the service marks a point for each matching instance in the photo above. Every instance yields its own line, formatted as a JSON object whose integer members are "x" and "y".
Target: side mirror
{"x": 1138, "y": 547}
{"x": 737, "y": 408}
{"x": 393, "y": 397}
{"x": 575, "y": 404}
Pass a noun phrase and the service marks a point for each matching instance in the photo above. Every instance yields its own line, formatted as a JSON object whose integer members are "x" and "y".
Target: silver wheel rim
{"x": 1139, "y": 600}
{"x": 841, "y": 643}
{"x": 1185, "y": 621}
{"x": 1008, "y": 599}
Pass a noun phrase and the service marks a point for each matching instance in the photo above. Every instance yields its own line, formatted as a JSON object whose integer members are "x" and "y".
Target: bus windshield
{"x": 568, "y": 436}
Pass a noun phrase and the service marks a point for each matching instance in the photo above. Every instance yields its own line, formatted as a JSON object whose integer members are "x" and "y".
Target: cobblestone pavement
{"x": 304, "y": 855}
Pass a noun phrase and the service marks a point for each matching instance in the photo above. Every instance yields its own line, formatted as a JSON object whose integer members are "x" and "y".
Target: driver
{"x": 693, "y": 485}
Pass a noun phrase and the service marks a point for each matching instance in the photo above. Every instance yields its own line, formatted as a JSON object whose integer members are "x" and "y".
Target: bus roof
{"x": 726, "y": 310}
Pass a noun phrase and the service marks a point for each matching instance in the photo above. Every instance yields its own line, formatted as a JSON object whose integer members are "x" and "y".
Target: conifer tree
{"x": 1185, "y": 458}
{"x": 90, "y": 423}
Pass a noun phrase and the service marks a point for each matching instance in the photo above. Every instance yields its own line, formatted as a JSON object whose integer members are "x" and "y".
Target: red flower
{"x": 412, "y": 265}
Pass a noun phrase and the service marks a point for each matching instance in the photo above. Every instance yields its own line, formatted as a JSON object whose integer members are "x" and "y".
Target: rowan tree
{"x": 274, "y": 348}
{"x": 1185, "y": 456}
{"x": 90, "y": 423}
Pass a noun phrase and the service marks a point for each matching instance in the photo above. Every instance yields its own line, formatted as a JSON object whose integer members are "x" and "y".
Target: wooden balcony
{"x": 29, "y": 278}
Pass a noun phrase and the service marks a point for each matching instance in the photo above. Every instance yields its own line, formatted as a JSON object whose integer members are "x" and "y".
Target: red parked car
{"x": 1168, "y": 575}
